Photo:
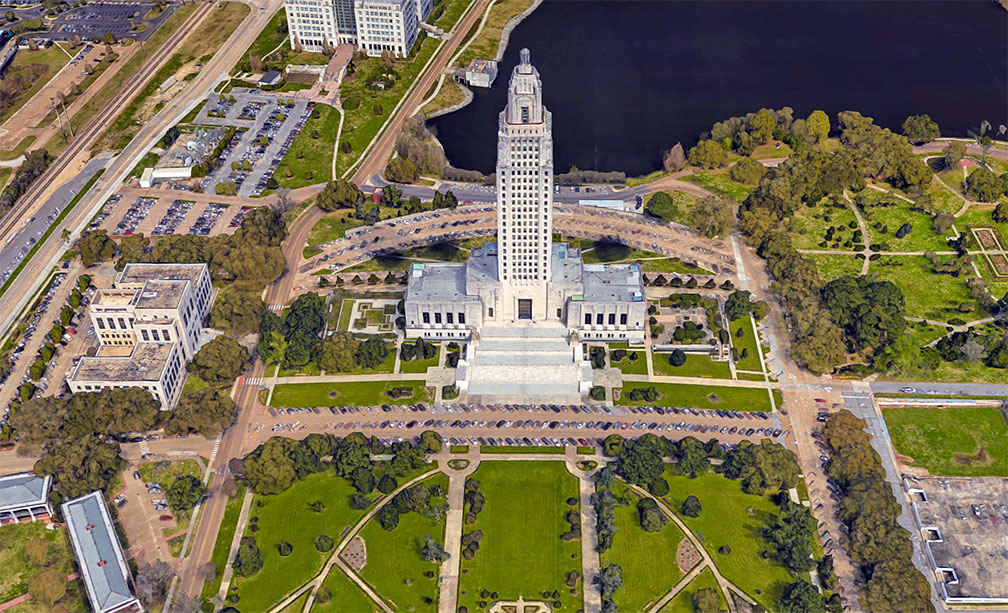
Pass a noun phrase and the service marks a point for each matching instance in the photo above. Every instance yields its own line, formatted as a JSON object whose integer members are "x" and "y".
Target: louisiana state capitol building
{"x": 524, "y": 278}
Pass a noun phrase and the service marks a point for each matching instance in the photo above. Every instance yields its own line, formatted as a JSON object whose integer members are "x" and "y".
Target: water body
{"x": 627, "y": 79}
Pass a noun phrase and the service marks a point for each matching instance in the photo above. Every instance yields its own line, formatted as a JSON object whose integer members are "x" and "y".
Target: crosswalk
{"x": 144, "y": 448}
{"x": 252, "y": 381}
{"x": 275, "y": 307}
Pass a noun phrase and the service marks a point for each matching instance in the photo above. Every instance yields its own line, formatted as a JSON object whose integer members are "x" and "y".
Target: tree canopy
{"x": 220, "y": 361}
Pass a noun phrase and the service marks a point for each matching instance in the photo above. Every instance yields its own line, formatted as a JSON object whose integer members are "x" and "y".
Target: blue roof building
{"x": 24, "y": 497}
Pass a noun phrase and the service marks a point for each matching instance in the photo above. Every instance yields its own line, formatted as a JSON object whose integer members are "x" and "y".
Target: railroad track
{"x": 99, "y": 122}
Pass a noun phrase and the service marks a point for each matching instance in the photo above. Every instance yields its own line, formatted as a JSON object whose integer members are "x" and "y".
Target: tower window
{"x": 525, "y": 114}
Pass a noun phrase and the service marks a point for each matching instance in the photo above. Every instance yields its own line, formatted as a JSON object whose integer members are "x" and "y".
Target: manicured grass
{"x": 648, "y": 559}
{"x": 648, "y": 178}
{"x": 747, "y": 341}
{"x": 732, "y": 517}
{"x": 486, "y": 43}
{"x": 362, "y": 123}
{"x": 194, "y": 383}
{"x": 153, "y": 471}
{"x": 420, "y": 365}
{"x": 16, "y": 570}
{"x": 675, "y": 395}
{"x": 631, "y": 367}
{"x": 808, "y": 227}
{"x": 521, "y": 552}
{"x": 773, "y": 149}
{"x": 346, "y": 595}
{"x": 696, "y": 366}
{"x": 346, "y": 310}
{"x": 491, "y": 449}
{"x": 449, "y": 95}
{"x": 720, "y": 184}
{"x": 683, "y": 601}
{"x": 453, "y": 10}
{"x": 223, "y": 545}
{"x": 270, "y": 38}
{"x": 360, "y": 393}
{"x": 297, "y": 605}
{"x": 288, "y": 517}
{"x": 309, "y": 369}
{"x": 926, "y": 294}
{"x": 315, "y": 162}
{"x": 833, "y": 266}
{"x": 19, "y": 148}
{"x": 51, "y": 60}
{"x": 942, "y": 199}
{"x": 380, "y": 263}
{"x": 921, "y": 238}
{"x": 5, "y": 174}
{"x": 332, "y": 226}
{"x": 969, "y": 442}
{"x": 395, "y": 568}
{"x": 670, "y": 265}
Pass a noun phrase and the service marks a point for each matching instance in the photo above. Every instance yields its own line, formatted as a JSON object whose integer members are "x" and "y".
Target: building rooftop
{"x": 566, "y": 265}
{"x": 613, "y": 283}
{"x": 145, "y": 363}
{"x": 137, "y": 274}
{"x": 157, "y": 294}
{"x": 114, "y": 297}
{"x": 964, "y": 522}
{"x": 23, "y": 490}
{"x": 99, "y": 555}
{"x": 483, "y": 66}
{"x": 437, "y": 282}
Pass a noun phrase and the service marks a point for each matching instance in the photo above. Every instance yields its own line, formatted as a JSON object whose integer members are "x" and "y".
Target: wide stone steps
{"x": 522, "y": 390}
{"x": 506, "y": 358}
{"x": 538, "y": 331}
{"x": 556, "y": 374}
{"x": 522, "y": 345}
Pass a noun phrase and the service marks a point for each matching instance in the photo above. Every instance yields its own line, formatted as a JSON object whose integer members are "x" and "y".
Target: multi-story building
{"x": 312, "y": 23}
{"x": 386, "y": 25}
{"x": 148, "y": 325}
{"x": 24, "y": 497}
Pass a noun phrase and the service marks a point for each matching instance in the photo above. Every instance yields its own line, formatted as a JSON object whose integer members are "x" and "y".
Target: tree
{"x": 431, "y": 441}
{"x": 388, "y": 517}
{"x": 268, "y": 468}
{"x": 920, "y": 129}
{"x": 387, "y": 484}
{"x": 337, "y": 352}
{"x": 433, "y": 551}
{"x": 47, "y": 586}
{"x": 236, "y": 312}
{"x": 371, "y": 353}
{"x": 707, "y": 154}
{"x": 284, "y": 548}
{"x": 677, "y": 357}
{"x": 706, "y": 600}
{"x": 762, "y": 125}
{"x": 818, "y": 125}
{"x": 152, "y": 581}
{"x": 323, "y": 543}
{"x": 747, "y": 171}
{"x": 804, "y": 597}
{"x": 691, "y": 507}
{"x": 983, "y": 185}
{"x": 661, "y": 205}
{"x": 942, "y": 221}
{"x": 712, "y": 217}
{"x": 651, "y": 517}
{"x": 220, "y": 361}
{"x": 207, "y": 411}
{"x": 610, "y": 580}
{"x": 402, "y": 170}
{"x": 81, "y": 465}
{"x": 185, "y": 492}
{"x": 95, "y": 247}
{"x": 954, "y": 152}
{"x": 675, "y": 159}
{"x": 1000, "y": 212}
{"x": 248, "y": 559}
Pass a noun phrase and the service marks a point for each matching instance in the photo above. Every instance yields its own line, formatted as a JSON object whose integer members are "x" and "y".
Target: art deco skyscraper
{"x": 525, "y": 190}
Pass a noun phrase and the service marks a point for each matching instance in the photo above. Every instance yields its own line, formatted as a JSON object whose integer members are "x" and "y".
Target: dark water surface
{"x": 627, "y": 79}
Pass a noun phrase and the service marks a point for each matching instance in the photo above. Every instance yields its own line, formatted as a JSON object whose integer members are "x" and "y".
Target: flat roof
{"x": 99, "y": 554}
{"x": 138, "y": 273}
{"x": 613, "y": 282}
{"x": 965, "y": 527}
{"x": 23, "y": 490}
{"x": 114, "y": 297}
{"x": 158, "y": 294}
{"x": 437, "y": 282}
{"x": 145, "y": 363}
{"x": 478, "y": 65}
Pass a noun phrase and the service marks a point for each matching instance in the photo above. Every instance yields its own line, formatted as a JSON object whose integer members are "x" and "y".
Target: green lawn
{"x": 926, "y": 294}
{"x": 309, "y": 369}
{"x": 453, "y": 10}
{"x": 309, "y": 158}
{"x": 332, "y": 226}
{"x": 492, "y": 449}
{"x": 670, "y": 265}
{"x": 485, "y": 44}
{"x": 344, "y": 394}
{"x": 395, "y": 568}
{"x": 648, "y": 559}
{"x": 298, "y": 604}
{"x": 287, "y": 516}
{"x": 808, "y": 227}
{"x": 37, "y": 68}
{"x": 521, "y": 552}
{"x": 833, "y": 266}
{"x": 420, "y": 365}
{"x": 223, "y": 545}
{"x": 747, "y": 341}
{"x": 696, "y": 366}
{"x": 683, "y": 601}
{"x": 631, "y": 367}
{"x": 193, "y": 383}
{"x": 720, "y": 184}
{"x": 732, "y": 517}
{"x": 701, "y": 396}
{"x": 15, "y": 569}
{"x": 153, "y": 471}
{"x": 968, "y": 442}
{"x": 921, "y": 238}
{"x": 345, "y": 595}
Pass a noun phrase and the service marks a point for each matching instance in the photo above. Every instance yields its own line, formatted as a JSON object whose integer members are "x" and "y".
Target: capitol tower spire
{"x": 525, "y": 191}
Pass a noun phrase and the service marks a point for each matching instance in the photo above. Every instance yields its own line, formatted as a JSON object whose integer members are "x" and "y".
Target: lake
{"x": 627, "y": 79}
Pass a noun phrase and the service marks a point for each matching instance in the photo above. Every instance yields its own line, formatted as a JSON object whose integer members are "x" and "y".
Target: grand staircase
{"x": 531, "y": 363}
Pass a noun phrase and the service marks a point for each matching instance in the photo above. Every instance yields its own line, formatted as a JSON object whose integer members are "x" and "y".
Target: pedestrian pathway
{"x": 448, "y": 574}
{"x": 243, "y": 516}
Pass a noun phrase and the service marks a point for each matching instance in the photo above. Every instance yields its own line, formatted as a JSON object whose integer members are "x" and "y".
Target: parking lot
{"x": 267, "y": 130}
{"x": 95, "y": 20}
{"x": 187, "y": 213}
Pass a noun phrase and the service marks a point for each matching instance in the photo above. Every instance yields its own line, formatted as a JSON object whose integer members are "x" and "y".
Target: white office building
{"x": 312, "y": 23}
{"x": 148, "y": 325}
{"x": 372, "y": 25}
{"x": 386, "y": 25}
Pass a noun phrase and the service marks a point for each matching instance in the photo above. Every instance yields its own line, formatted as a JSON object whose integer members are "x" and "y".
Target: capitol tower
{"x": 524, "y": 195}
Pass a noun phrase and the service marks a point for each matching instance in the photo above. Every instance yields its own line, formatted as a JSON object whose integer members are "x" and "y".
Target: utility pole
{"x": 67, "y": 113}
{"x": 59, "y": 118}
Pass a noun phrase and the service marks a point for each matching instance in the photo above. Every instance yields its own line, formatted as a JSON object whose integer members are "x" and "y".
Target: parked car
{"x": 166, "y": 518}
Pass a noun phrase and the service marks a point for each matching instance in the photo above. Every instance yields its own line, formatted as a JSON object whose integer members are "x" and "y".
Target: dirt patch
{"x": 687, "y": 556}
{"x": 980, "y": 457}
{"x": 355, "y": 554}
{"x": 713, "y": 398}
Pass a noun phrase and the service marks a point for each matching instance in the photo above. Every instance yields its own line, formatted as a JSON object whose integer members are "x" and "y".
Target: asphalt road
{"x": 939, "y": 389}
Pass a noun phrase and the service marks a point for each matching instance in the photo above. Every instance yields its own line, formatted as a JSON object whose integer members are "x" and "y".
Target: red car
{"x": 166, "y": 518}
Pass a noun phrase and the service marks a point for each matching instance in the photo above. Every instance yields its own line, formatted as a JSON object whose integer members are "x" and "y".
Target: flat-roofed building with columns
{"x": 24, "y": 497}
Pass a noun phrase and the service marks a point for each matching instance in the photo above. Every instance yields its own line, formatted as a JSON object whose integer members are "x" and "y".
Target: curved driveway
{"x": 430, "y": 227}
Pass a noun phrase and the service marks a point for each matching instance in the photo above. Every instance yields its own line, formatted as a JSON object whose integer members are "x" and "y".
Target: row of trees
{"x": 711, "y": 216}
{"x": 34, "y": 165}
